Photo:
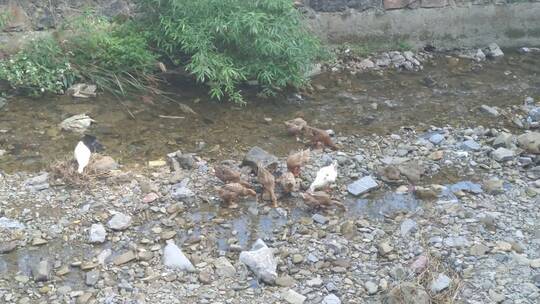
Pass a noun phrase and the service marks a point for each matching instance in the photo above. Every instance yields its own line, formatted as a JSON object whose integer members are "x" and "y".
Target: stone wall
{"x": 444, "y": 23}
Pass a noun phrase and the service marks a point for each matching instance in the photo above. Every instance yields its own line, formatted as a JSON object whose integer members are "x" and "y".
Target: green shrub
{"x": 226, "y": 42}
{"x": 41, "y": 67}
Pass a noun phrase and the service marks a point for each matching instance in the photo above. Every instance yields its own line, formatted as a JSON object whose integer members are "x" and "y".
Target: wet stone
{"x": 407, "y": 226}
{"x": 489, "y": 110}
{"x": 259, "y": 156}
{"x": 41, "y": 271}
{"x": 436, "y": 138}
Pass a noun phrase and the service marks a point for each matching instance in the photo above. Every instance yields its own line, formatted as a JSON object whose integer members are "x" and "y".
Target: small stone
{"x": 104, "y": 164}
{"x": 489, "y": 110}
{"x": 502, "y": 154}
{"x": 331, "y": 299}
{"x": 205, "y": 277}
{"x": 436, "y": 138}
{"x": 124, "y": 258}
{"x": 297, "y": 258}
{"x": 285, "y": 281}
{"x": 530, "y": 142}
{"x": 41, "y": 271}
{"x": 493, "y": 186}
{"x": 437, "y": 155}
{"x": 478, "y": 249}
{"x": 503, "y": 246}
{"x": 119, "y": 221}
{"x": 371, "y": 288}
{"x": 503, "y": 140}
{"x": 420, "y": 264}
{"x": 38, "y": 241}
{"x": 92, "y": 277}
{"x": 495, "y": 296}
{"x": 157, "y": 163}
{"x": 440, "y": 283}
{"x": 224, "y": 268}
{"x": 150, "y": 198}
{"x": 97, "y": 233}
{"x": 180, "y": 192}
{"x": 535, "y": 263}
{"x": 470, "y": 145}
{"x": 493, "y": 51}
{"x": 536, "y": 280}
{"x": 385, "y": 248}
{"x": 319, "y": 218}
{"x": 7, "y": 247}
{"x": 407, "y": 226}
{"x": 363, "y": 185}
{"x": 173, "y": 257}
{"x": 366, "y": 64}
{"x": 293, "y": 297}
{"x": 315, "y": 282}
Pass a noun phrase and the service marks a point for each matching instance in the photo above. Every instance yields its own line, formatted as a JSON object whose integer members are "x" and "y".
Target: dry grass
{"x": 65, "y": 171}
{"x": 434, "y": 267}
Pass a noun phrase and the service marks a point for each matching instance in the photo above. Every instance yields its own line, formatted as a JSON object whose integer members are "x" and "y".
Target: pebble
{"x": 119, "y": 222}
{"x": 436, "y": 138}
{"x": 224, "y": 268}
{"x": 440, "y": 283}
{"x": 490, "y": 110}
{"x": 385, "y": 248}
{"x": 371, "y": 288}
{"x": 319, "y": 218}
{"x": 407, "y": 226}
{"x": 41, "y": 271}
{"x": 331, "y": 299}
{"x": 92, "y": 277}
{"x": 97, "y": 233}
{"x": 315, "y": 282}
{"x": 124, "y": 258}
{"x": 471, "y": 145}
{"x": 297, "y": 258}
{"x": 293, "y": 297}
{"x": 502, "y": 154}
{"x": 285, "y": 281}
{"x": 363, "y": 185}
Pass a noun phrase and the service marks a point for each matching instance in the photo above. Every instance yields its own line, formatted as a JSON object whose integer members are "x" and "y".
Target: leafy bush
{"x": 40, "y": 68}
{"x": 226, "y": 42}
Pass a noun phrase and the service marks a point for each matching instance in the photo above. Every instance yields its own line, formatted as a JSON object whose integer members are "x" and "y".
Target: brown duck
{"x": 320, "y": 199}
{"x": 267, "y": 180}
{"x": 288, "y": 182}
{"x": 295, "y": 126}
{"x": 230, "y": 193}
{"x": 297, "y": 160}
{"x": 228, "y": 175}
{"x": 319, "y": 137}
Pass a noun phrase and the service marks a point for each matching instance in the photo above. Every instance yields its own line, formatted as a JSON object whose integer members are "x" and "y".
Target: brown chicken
{"x": 288, "y": 182}
{"x": 320, "y": 199}
{"x": 230, "y": 193}
{"x": 319, "y": 137}
{"x": 296, "y": 160}
{"x": 229, "y": 175}
{"x": 267, "y": 180}
{"x": 295, "y": 126}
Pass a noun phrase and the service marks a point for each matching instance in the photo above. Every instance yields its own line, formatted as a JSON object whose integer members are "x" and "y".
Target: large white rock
{"x": 260, "y": 259}
{"x": 173, "y": 257}
{"x": 119, "y": 221}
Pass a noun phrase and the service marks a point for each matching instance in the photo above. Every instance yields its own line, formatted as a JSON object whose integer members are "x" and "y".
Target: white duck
{"x": 325, "y": 176}
{"x": 83, "y": 151}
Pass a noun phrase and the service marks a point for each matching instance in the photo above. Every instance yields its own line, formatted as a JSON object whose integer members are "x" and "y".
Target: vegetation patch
{"x": 222, "y": 44}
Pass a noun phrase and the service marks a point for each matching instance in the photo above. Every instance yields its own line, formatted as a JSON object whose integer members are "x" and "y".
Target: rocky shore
{"x": 439, "y": 215}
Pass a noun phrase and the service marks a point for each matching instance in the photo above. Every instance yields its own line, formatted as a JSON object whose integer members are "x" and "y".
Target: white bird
{"x": 83, "y": 151}
{"x": 325, "y": 176}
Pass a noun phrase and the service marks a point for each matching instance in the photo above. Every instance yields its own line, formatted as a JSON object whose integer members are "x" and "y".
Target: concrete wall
{"x": 443, "y": 23}
{"x": 509, "y": 25}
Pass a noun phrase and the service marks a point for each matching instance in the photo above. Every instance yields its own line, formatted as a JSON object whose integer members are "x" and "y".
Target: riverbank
{"x": 452, "y": 218}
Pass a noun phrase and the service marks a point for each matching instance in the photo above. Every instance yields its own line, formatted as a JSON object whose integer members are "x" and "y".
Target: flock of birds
{"x": 235, "y": 187}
